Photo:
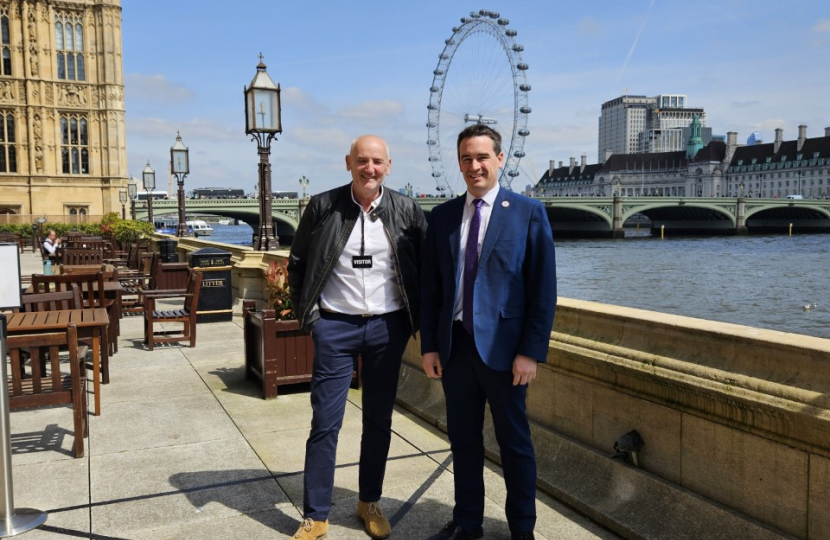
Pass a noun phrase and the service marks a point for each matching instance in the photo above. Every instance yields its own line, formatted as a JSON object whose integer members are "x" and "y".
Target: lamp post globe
{"x": 132, "y": 191}
{"x": 122, "y": 196}
{"x": 180, "y": 168}
{"x": 148, "y": 176}
{"x": 262, "y": 123}
{"x": 304, "y": 183}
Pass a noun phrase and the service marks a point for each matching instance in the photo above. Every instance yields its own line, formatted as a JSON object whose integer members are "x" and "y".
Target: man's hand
{"x": 432, "y": 365}
{"x": 524, "y": 369}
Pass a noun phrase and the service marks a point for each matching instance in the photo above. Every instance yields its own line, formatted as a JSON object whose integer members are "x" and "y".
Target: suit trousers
{"x": 468, "y": 383}
{"x": 338, "y": 340}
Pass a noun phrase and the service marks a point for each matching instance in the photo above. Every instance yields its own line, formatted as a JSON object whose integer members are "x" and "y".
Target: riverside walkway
{"x": 186, "y": 448}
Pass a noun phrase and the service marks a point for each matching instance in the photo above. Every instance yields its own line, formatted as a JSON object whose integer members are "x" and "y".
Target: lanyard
{"x": 362, "y": 234}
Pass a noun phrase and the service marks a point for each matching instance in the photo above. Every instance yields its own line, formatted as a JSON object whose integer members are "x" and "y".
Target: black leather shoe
{"x": 522, "y": 536}
{"x": 453, "y": 531}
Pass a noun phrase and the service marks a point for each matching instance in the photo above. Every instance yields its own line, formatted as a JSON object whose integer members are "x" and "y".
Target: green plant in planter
{"x": 109, "y": 221}
{"x": 127, "y": 231}
{"x": 276, "y": 281}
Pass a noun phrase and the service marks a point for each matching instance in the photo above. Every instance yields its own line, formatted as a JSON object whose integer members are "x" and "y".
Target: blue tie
{"x": 470, "y": 267}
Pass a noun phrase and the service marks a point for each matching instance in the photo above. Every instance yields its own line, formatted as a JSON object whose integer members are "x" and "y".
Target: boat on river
{"x": 199, "y": 227}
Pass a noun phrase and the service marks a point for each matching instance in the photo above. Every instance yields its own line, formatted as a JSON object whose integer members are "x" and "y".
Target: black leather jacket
{"x": 324, "y": 229}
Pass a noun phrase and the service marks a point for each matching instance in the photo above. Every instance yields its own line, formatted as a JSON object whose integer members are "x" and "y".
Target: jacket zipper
{"x": 340, "y": 245}
{"x": 400, "y": 275}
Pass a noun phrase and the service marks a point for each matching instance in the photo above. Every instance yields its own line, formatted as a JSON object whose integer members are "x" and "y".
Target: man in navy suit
{"x": 488, "y": 287}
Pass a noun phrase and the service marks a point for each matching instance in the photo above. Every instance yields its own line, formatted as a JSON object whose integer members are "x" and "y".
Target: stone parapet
{"x": 736, "y": 423}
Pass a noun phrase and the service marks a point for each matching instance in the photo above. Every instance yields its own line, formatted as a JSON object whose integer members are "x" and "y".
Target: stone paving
{"x": 185, "y": 448}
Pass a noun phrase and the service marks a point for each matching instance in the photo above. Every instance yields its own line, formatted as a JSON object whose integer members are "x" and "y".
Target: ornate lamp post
{"x": 408, "y": 188}
{"x": 304, "y": 182}
{"x": 149, "y": 177}
{"x": 262, "y": 123}
{"x": 122, "y": 196}
{"x": 132, "y": 189}
{"x": 180, "y": 167}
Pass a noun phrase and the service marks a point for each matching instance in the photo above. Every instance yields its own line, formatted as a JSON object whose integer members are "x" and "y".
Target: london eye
{"x": 480, "y": 78}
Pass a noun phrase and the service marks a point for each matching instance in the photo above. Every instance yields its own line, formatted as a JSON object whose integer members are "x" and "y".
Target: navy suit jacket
{"x": 515, "y": 286}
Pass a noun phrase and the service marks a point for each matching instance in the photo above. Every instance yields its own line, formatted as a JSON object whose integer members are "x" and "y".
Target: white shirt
{"x": 50, "y": 246}
{"x": 489, "y": 199}
{"x": 364, "y": 291}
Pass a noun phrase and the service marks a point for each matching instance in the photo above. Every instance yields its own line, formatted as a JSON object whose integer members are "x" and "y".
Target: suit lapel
{"x": 498, "y": 215}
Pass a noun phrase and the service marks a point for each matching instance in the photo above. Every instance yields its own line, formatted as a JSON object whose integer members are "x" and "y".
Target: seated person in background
{"x": 51, "y": 242}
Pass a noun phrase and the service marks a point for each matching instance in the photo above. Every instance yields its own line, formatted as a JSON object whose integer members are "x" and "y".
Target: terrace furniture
{"x": 186, "y": 315}
{"x": 66, "y": 383}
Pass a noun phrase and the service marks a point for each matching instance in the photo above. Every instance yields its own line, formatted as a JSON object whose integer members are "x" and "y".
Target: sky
{"x": 352, "y": 67}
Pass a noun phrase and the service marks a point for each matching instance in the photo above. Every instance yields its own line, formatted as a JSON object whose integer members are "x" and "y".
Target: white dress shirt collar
{"x": 374, "y": 204}
{"x": 489, "y": 198}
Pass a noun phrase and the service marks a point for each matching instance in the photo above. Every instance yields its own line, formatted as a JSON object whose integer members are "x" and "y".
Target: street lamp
{"x": 132, "y": 190}
{"x": 122, "y": 196}
{"x": 408, "y": 188}
{"x": 741, "y": 187}
{"x": 262, "y": 123}
{"x": 180, "y": 167}
{"x": 304, "y": 182}
{"x": 149, "y": 177}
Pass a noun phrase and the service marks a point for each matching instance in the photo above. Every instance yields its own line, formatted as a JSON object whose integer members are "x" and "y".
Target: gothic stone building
{"x": 62, "y": 133}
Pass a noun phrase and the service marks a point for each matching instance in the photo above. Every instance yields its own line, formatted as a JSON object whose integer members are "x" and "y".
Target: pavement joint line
{"x": 405, "y": 507}
{"x": 233, "y": 421}
{"x": 163, "y": 494}
{"x": 79, "y": 534}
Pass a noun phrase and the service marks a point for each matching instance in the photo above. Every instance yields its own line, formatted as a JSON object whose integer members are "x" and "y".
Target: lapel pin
{"x": 505, "y": 204}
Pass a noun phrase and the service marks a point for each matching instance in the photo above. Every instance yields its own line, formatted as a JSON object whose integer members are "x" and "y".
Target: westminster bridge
{"x": 580, "y": 216}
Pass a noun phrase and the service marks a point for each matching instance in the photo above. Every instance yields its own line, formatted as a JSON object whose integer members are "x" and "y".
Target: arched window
{"x": 8, "y": 149}
{"x": 5, "y": 42}
{"x": 74, "y": 145}
{"x": 69, "y": 46}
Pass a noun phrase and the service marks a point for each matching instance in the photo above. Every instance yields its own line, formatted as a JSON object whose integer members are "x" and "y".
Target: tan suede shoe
{"x": 375, "y": 524}
{"x": 312, "y": 530}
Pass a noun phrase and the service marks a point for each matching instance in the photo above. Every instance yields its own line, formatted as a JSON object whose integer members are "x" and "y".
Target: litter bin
{"x": 167, "y": 251}
{"x": 216, "y": 297}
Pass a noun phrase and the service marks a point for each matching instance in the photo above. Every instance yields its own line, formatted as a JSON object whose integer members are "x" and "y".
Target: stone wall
{"x": 735, "y": 422}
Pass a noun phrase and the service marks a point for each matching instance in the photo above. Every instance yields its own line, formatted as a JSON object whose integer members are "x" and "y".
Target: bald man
{"x": 353, "y": 276}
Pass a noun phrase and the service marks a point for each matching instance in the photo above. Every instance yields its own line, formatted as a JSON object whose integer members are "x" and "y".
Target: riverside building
{"x": 62, "y": 133}
{"x": 641, "y": 124}
{"x": 721, "y": 168}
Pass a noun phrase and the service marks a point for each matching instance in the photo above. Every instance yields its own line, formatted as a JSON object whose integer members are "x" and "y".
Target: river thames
{"x": 761, "y": 281}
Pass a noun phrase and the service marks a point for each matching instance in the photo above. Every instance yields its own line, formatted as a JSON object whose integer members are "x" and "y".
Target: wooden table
{"x": 113, "y": 290}
{"x": 91, "y": 323}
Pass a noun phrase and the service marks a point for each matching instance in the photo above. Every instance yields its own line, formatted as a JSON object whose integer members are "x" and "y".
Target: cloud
{"x": 326, "y": 138}
{"x": 196, "y": 128}
{"x": 156, "y": 88}
{"x": 822, "y": 26}
{"x": 301, "y": 100}
{"x": 374, "y": 114}
{"x": 589, "y": 28}
{"x": 745, "y": 104}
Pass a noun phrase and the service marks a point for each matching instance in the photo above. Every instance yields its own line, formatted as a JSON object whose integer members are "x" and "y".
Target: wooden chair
{"x": 136, "y": 284}
{"x": 93, "y": 295}
{"x": 75, "y": 256}
{"x": 59, "y": 387}
{"x": 53, "y": 301}
{"x": 186, "y": 315}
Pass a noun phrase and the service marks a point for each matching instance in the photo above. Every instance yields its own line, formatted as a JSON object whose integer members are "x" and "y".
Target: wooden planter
{"x": 277, "y": 352}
